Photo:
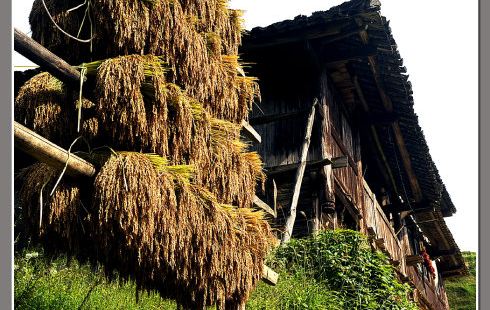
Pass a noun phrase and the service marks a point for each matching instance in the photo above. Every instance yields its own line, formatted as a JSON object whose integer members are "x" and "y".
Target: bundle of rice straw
{"x": 174, "y": 237}
{"x": 165, "y": 84}
{"x": 197, "y": 39}
{"x": 58, "y": 220}
{"x": 43, "y": 105}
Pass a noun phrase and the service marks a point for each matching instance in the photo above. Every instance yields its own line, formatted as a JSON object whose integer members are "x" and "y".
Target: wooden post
{"x": 41, "y": 56}
{"x": 50, "y": 153}
{"x": 269, "y": 276}
{"x": 250, "y": 133}
{"x": 327, "y": 220}
{"x": 316, "y": 213}
{"x": 299, "y": 176}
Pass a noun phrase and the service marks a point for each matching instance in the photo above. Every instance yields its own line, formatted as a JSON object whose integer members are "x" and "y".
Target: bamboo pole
{"x": 41, "y": 56}
{"x": 299, "y": 176}
{"x": 50, "y": 153}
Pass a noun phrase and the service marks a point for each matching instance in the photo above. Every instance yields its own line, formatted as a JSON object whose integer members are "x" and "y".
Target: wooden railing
{"x": 376, "y": 222}
{"x": 427, "y": 291}
{"x": 347, "y": 177}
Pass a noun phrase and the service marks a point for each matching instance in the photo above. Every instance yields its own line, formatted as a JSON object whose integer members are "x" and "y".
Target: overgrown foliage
{"x": 59, "y": 284}
{"x": 342, "y": 261}
{"x": 461, "y": 291}
{"x": 334, "y": 271}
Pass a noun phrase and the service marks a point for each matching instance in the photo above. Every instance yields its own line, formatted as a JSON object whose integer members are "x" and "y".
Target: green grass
{"x": 336, "y": 270}
{"x": 57, "y": 285}
{"x": 461, "y": 291}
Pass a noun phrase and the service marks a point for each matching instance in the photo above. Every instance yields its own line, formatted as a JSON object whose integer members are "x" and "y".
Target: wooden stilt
{"x": 299, "y": 176}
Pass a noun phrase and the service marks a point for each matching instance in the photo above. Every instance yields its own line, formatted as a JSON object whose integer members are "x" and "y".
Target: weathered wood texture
{"x": 46, "y": 151}
{"x": 377, "y": 221}
{"x": 269, "y": 276}
{"x": 299, "y": 175}
{"x": 41, "y": 56}
{"x": 257, "y": 202}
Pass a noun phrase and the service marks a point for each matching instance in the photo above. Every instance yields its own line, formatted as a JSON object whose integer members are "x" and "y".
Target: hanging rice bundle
{"x": 120, "y": 104}
{"x": 126, "y": 209}
{"x": 47, "y": 106}
{"x": 167, "y": 29}
{"x": 195, "y": 250}
{"x": 177, "y": 220}
{"x": 58, "y": 221}
{"x": 39, "y": 106}
{"x": 47, "y": 34}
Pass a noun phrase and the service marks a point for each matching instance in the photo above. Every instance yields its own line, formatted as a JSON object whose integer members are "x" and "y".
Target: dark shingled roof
{"x": 350, "y": 17}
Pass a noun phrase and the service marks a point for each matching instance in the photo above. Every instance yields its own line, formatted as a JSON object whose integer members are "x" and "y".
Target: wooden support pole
{"x": 41, "y": 56}
{"x": 257, "y": 202}
{"x": 250, "y": 132}
{"x": 310, "y": 165}
{"x": 50, "y": 153}
{"x": 299, "y": 176}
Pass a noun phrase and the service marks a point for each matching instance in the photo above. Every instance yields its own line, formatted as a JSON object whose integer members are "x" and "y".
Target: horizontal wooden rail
{"x": 41, "y": 56}
{"x": 269, "y": 276}
{"x": 50, "y": 153}
{"x": 262, "y": 205}
{"x": 250, "y": 133}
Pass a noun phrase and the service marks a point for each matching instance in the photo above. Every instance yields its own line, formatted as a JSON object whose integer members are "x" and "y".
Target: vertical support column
{"x": 329, "y": 198}
{"x": 316, "y": 213}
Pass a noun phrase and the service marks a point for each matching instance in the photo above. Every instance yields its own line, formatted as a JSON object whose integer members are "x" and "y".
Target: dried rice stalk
{"x": 192, "y": 47}
{"x": 47, "y": 106}
{"x": 196, "y": 250}
{"x": 64, "y": 219}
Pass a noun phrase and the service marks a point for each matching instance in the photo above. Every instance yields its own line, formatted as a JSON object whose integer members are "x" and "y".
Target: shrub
{"x": 342, "y": 261}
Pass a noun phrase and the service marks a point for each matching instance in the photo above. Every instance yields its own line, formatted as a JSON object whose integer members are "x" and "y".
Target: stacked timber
{"x": 160, "y": 115}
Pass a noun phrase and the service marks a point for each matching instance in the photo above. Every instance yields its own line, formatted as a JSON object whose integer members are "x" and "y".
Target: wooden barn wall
{"x": 340, "y": 138}
{"x": 287, "y": 87}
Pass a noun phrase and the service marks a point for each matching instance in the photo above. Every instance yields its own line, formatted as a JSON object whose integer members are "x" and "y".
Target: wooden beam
{"x": 349, "y": 55}
{"x": 265, "y": 119}
{"x": 250, "y": 133}
{"x": 41, "y": 56}
{"x": 299, "y": 176}
{"x": 412, "y": 260}
{"x": 388, "y": 105}
{"x": 340, "y": 162}
{"x": 50, "y": 153}
{"x": 269, "y": 276}
{"x": 310, "y": 165}
{"x": 258, "y": 203}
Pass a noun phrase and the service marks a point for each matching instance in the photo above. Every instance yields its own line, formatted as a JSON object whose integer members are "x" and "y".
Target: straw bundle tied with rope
{"x": 165, "y": 233}
{"x": 48, "y": 107}
{"x": 184, "y": 36}
{"x": 173, "y": 211}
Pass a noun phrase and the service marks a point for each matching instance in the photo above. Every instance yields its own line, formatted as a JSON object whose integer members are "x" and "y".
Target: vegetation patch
{"x": 334, "y": 270}
{"x": 342, "y": 263}
{"x": 461, "y": 291}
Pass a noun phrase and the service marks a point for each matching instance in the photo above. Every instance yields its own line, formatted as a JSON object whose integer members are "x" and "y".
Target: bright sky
{"x": 439, "y": 45}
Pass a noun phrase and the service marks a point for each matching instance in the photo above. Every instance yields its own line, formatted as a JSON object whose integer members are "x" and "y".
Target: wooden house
{"x": 368, "y": 165}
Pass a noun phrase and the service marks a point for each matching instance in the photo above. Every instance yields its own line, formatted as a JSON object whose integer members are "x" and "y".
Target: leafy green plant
{"x": 342, "y": 261}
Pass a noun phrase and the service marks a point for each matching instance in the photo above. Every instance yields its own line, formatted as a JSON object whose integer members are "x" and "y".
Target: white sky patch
{"x": 439, "y": 45}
